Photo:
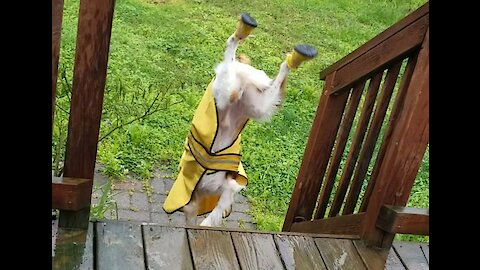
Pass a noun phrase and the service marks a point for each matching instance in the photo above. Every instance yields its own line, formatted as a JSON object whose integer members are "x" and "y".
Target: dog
{"x": 210, "y": 170}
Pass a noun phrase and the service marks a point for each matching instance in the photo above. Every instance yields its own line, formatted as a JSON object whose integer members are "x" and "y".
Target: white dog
{"x": 210, "y": 171}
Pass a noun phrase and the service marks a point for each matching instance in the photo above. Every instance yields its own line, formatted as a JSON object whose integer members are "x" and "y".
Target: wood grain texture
{"x": 340, "y": 144}
{"x": 393, "y": 262}
{"x": 89, "y": 76}
{"x": 299, "y": 252}
{"x": 373, "y": 258}
{"x": 411, "y": 255}
{"x": 256, "y": 251}
{"x": 74, "y": 249}
{"x": 372, "y": 135}
{"x": 225, "y": 229}
{"x": 426, "y": 251}
{"x": 167, "y": 248}
{"x": 212, "y": 249}
{"x": 339, "y": 254}
{"x": 404, "y": 154}
{"x": 358, "y": 136}
{"x": 119, "y": 246}
{"x": 406, "y": 220}
{"x": 345, "y": 225}
{"x": 317, "y": 154}
{"x": 397, "y": 108}
{"x": 70, "y": 193}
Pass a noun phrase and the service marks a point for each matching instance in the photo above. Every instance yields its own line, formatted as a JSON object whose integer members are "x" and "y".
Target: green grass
{"x": 171, "y": 47}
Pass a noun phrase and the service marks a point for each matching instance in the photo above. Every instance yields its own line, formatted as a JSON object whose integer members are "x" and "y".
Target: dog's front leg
{"x": 224, "y": 204}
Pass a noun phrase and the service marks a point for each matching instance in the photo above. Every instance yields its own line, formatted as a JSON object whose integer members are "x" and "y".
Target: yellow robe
{"x": 197, "y": 158}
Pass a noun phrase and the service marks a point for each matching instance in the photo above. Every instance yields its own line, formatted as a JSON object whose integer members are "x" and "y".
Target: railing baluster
{"x": 345, "y": 127}
{"x": 397, "y": 108}
{"x": 356, "y": 143}
{"x": 317, "y": 152}
{"x": 372, "y": 136}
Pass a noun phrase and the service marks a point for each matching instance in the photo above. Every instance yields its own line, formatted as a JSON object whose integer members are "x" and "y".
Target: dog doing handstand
{"x": 210, "y": 171}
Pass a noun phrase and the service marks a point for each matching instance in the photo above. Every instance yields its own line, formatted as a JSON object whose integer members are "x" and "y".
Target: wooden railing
{"x": 395, "y": 67}
{"x": 72, "y": 192}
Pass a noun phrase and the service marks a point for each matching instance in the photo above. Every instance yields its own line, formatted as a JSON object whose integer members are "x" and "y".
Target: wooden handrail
{"x": 400, "y": 25}
{"x": 402, "y": 145}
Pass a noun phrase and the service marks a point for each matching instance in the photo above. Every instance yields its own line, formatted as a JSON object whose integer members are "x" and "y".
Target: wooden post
{"x": 404, "y": 153}
{"x": 57, "y": 14}
{"x": 91, "y": 57}
{"x": 317, "y": 153}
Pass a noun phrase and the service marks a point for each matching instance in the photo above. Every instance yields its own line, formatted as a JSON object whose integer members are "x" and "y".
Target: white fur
{"x": 258, "y": 99}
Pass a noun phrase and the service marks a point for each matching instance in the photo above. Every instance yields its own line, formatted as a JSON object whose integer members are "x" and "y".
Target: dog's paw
{"x": 206, "y": 222}
{"x": 227, "y": 212}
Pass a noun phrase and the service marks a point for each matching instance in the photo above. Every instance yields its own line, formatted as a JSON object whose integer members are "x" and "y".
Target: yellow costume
{"x": 197, "y": 158}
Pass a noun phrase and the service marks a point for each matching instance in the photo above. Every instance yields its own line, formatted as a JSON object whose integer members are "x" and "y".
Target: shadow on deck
{"x": 130, "y": 245}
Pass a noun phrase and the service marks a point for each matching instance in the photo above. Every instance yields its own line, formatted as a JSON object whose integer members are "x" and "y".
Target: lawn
{"x": 162, "y": 55}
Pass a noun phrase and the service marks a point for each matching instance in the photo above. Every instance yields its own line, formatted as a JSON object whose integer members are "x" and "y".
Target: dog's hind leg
{"x": 191, "y": 210}
{"x": 224, "y": 205}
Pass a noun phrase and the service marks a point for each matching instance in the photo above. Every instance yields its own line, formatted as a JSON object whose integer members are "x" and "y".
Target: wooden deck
{"x": 126, "y": 245}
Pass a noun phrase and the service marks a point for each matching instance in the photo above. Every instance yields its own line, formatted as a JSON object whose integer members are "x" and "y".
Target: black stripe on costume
{"x": 209, "y": 153}
{"x": 238, "y": 134}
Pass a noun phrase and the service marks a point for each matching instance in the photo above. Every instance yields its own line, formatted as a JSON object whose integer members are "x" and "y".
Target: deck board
{"x": 393, "y": 262}
{"x": 426, "y": 251}
{"x": 299, "y": 252}
{"x": 373, "y": 258}
{"x": 73, "y": 249}
{"x": 212, "y": 249}
{"x": 119, "y": 246}
{"x": 167, "y": 248}
{"x": 256, "y": 251}
{"x": 339, "y": 254}
{"x": 130, "y": 245}
{"x": 411, "y": 255}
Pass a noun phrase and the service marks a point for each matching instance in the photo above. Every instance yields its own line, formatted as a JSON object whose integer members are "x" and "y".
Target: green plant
{"x": 106, "y": 202}
{"x": 172, "y": 47}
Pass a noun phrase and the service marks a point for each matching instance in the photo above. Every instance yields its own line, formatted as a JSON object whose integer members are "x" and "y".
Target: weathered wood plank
{"x": 70, "y": 193}
{"x": 349, "y": 224}
{"x": 369, "y": 144}
{"x": 392, "y": 30}
{"x": 167, "y": 248}
{"x": 411, "y": 255}
{"x": 397, "y": 108}
{"x": 212, "y": 249}
{"x": 393, "y": 262}
{"x": 403, "y": 157}
{"x": 57, "y": 14}
{"x": 407, "y": 220}
{"x": 339, "y": 254}
{"x": 356, "y": 145}
{"x": 256, "y": 251}
{"x": 341, "y": 141}
{"x": 397, "y": 46}
{"x": 290, "y": 233}
{"x": 426, "y": 251}
{"x": 119, "y": 246}
{"x": 299, "y": 252}
{"x": 73, "y": 249}
{"x": 89, "y": 76}
{"x": 373, "y": 258}
{"x": 317, "y": 153}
